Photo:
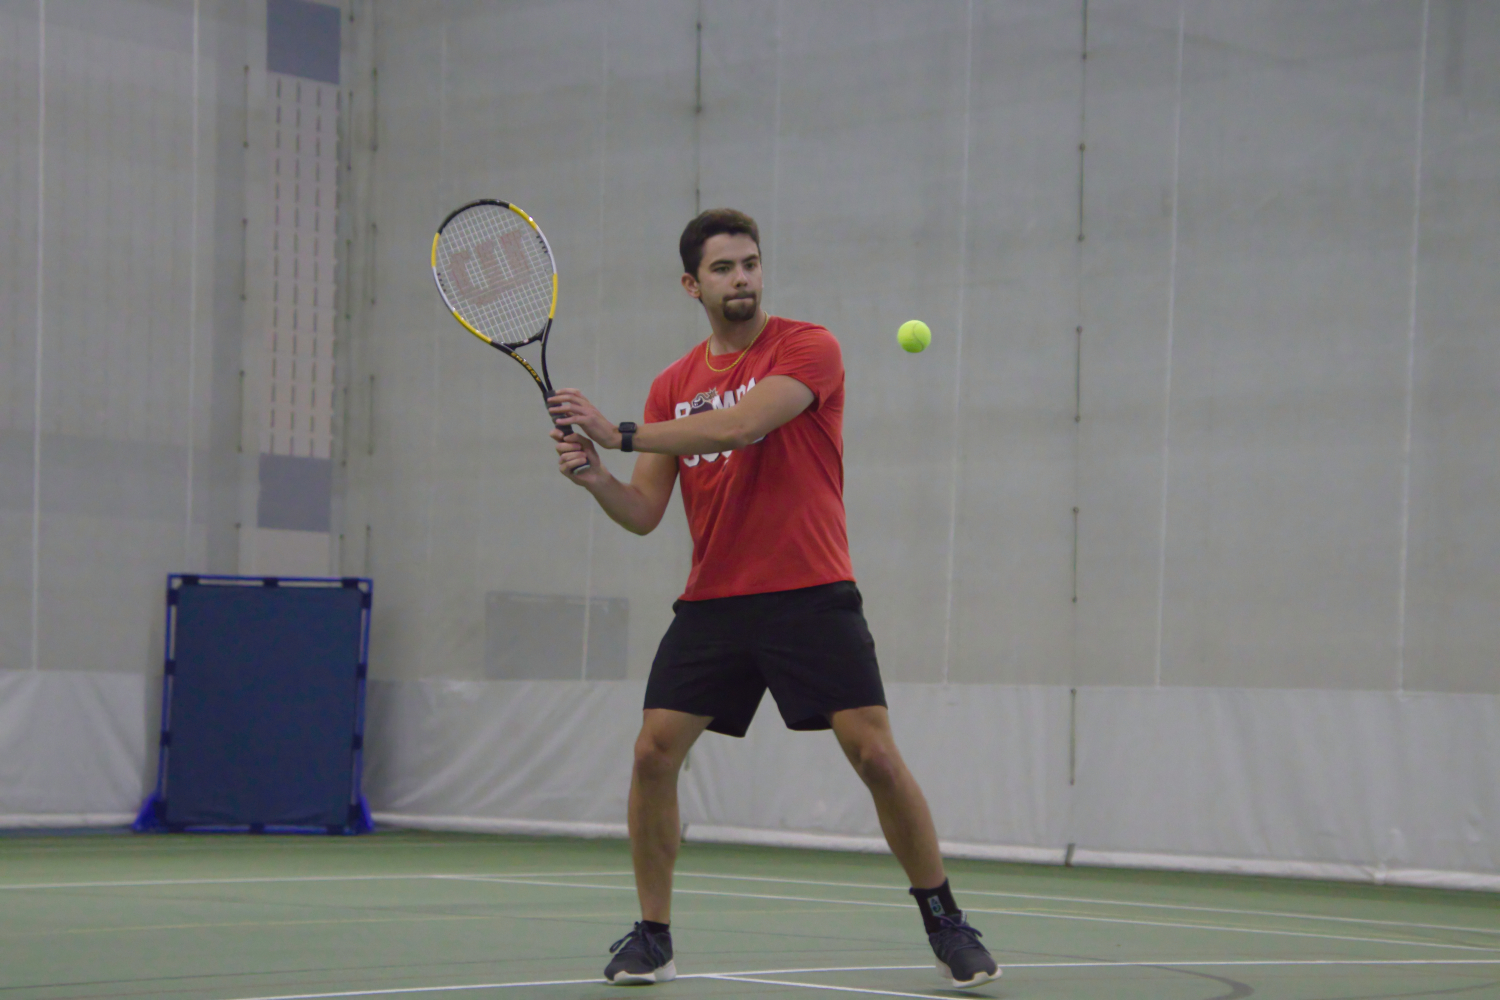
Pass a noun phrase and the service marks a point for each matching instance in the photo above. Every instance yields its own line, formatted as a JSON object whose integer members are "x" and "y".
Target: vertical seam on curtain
{"x": 1166, "y": 423}
{"x": 958, "y": 360}
{"x": 1411, "y": 358}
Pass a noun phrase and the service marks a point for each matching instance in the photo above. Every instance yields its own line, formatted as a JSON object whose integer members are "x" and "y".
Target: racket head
{"x": 494, "y": 269}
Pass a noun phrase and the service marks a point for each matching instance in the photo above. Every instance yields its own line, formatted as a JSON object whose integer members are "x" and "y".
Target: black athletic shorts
{"x": 811, "y": 647}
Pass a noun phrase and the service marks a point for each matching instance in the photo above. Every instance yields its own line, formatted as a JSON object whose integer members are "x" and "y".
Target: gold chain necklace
{"x": 742, "y": 353}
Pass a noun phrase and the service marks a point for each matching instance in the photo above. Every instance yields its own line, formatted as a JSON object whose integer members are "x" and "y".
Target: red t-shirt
{"x": 769, "y": 516}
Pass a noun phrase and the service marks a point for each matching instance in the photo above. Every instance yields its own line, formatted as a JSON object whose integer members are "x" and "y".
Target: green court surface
{"x": 403, "y": 914}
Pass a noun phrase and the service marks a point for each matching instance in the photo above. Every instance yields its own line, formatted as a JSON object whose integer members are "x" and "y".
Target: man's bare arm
{"x": 636, "y": 506}
{"x": 774, "y": 401}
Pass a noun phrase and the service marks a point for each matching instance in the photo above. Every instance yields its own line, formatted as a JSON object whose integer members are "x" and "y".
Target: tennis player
{"x": 751, "y": 420}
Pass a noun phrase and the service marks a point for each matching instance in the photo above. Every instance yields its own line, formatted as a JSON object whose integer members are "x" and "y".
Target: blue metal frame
{"x": 151, "y": 817}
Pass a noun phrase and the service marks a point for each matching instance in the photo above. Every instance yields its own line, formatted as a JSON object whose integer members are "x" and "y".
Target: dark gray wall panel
{"x": 538, "y": 637}
{"x": 295, "y": 493}
{"x": 302, "y": 39}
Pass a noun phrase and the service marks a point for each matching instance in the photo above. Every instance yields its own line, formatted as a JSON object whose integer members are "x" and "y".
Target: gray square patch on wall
{"x": 296, "y": 494}
{"x": 540, "y": 637}
{"x": 302, "y": 39}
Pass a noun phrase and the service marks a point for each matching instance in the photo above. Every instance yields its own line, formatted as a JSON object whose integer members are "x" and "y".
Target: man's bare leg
{"x": 655, "y": 828}
{"x": 865, "y": 736}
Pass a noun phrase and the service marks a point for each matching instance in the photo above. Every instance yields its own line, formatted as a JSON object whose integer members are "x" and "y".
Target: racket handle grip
{"x": 568, "y": 429}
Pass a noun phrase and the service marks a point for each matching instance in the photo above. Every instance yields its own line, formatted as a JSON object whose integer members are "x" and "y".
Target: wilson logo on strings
{"x": 495, "y": 278}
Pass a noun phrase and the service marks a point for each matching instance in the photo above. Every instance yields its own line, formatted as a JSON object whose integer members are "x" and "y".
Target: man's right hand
{"x": 636, "y": 506}
{"x": 574, "y": 450}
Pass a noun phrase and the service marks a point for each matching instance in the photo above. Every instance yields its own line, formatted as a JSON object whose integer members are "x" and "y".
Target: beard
{"x": 738, "y": 310}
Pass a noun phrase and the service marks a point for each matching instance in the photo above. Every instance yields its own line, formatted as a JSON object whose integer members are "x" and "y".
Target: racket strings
{"x": 497, "y": 273}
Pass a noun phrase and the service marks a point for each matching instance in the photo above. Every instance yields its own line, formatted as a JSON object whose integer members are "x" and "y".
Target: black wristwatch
{"x": 627, "y": 436}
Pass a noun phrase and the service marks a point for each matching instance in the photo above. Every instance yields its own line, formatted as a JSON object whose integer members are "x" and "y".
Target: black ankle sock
{"x": 654, "y": 927}
{"x": 936, "y": 903}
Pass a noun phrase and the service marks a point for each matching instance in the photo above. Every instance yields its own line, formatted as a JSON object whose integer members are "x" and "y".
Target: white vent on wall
{"x": 304, "y": 204}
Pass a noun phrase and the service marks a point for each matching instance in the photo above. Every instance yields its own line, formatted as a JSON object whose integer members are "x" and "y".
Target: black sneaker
{"x": 642, "y": 957}
{"x": 960, "y": 956}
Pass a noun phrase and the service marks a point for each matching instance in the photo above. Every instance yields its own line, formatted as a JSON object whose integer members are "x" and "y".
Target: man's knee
{"x": 654, "y": 757}
{"x": 877, "y": 763}
{"x": 663, "y": 743}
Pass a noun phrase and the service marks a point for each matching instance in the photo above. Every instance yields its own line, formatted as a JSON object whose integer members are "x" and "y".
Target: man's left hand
{"x": 569, "y": 406}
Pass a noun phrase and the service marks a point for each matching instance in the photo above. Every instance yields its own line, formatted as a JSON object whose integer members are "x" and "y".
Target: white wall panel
{"x": 1012, "y": 610}
{"x": 1452, "y": 609}
{"x": 73, "y": 746}
{"x": 1235, "y": 241}
{"x": 559, "y": 753}
{"x": 1384, "y": 779}
{"x": 1125, "y": 294}
{"x": 1255, "y": 335}
{"x": 1279, "y": 782}
{"x": 119, "y": 160}
{"x": 484, "y": 508}
{"x": 868, "y": 176}
{"x": 1288, "y": 370}
{"x": 123, "y": 383}
{"x": 100, "y": 168}
{"x": 18, "y": 269}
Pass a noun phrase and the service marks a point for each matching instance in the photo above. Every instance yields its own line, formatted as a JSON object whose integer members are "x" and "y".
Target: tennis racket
{"x": 494, "y": 270}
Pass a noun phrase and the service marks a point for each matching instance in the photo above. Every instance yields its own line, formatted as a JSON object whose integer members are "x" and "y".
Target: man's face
{"x": 728, "y": 282}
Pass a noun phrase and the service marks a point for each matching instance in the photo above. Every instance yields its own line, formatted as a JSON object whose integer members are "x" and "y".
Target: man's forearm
{"x": 627, "y": 506}
{"x": 699, "y": 434}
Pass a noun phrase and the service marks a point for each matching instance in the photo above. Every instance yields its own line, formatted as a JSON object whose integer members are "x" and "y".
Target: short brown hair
{"x": 714, "y": 222}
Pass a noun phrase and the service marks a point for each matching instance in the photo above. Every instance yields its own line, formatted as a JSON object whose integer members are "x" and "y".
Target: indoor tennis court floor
{"x": 402, "y": 914}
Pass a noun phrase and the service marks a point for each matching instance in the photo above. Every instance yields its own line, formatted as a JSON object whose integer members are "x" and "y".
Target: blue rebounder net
{"x": 262, "y": 719}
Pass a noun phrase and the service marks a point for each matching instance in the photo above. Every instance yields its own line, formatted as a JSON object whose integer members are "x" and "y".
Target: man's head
{"x": 721, "y": 263}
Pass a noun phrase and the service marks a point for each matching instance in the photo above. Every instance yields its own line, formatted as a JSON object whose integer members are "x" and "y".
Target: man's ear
{"x": 690, "y": 285}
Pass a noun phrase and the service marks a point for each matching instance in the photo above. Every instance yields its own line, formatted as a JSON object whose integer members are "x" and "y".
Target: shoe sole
{"x": 980, "y": 978}
{"x": 665, "y": 974}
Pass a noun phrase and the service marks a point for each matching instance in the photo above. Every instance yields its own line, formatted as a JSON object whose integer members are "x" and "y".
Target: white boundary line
{"x": 596, "y": 981}
{"x": 522, "y": 878}
{"x": 816, "y": 986}
{"x": 753, "y": 976}
{"x": 1113, "y": 902}
{"x": 1014, "y": 913}
{"x": 1083, "y": 857}
{"x": 299, "y": 878}
{"x": 540, "y": 879}
{"x": 1218, "y": 963}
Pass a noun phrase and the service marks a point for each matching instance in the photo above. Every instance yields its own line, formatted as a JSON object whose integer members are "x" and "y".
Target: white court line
{"x": 751, "y": 976}
{"x": 1253, "y": 961}
{"x": 299, "y": 878}
{"x": 489, "y": 876}
{"x": 1110, "y": 902}
{"x": 524, "y": 878}
{"x": 596, "y": 980}
{"x": 818, "y": 986}
{"x": 1014, "y": 913}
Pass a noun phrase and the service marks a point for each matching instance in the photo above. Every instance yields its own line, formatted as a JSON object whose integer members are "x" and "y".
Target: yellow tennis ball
{"x": 914, "y": 336}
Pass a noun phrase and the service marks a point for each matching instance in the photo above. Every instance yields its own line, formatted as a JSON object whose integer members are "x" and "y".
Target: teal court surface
{"x": 470, "y": 917}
